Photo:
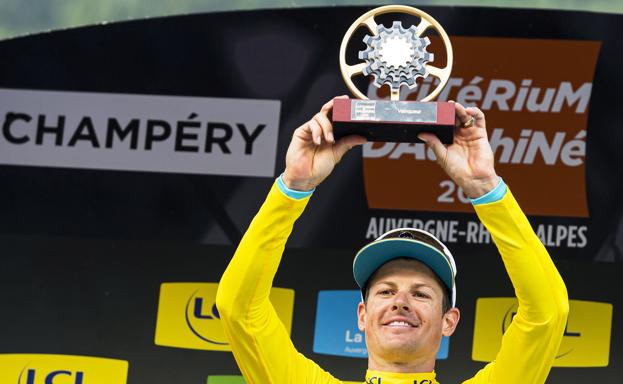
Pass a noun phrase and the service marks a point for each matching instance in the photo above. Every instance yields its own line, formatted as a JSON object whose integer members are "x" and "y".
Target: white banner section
{"x": 139, "y": 133}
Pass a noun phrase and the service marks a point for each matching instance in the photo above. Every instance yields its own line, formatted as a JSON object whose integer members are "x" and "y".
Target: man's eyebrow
{"x": 413, "y": 286}
{"x": 421, "y": 285}
{"x": 386, "y": 282}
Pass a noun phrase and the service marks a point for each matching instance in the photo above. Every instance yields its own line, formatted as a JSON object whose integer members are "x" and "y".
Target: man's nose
{"x": 401, "y": 302}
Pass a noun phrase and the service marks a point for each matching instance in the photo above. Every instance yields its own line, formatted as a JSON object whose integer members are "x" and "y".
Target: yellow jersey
{"x": 265, "y": 353}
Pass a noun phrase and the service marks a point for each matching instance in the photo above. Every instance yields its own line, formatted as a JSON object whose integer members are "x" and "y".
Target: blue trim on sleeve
{"x": 297, "y": 195}
{"x": 496, "y": 194}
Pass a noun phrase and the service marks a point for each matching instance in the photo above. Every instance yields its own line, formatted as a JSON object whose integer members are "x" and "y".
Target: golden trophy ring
{"x": 367, "y": 19}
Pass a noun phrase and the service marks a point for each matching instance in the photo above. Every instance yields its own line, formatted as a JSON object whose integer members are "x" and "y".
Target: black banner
{"x": 86, "y": 248}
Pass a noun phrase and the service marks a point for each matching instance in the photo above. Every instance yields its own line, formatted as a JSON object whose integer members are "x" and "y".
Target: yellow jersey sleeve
{"x": 259, "y": 341}
{"x": 530, "y": 344}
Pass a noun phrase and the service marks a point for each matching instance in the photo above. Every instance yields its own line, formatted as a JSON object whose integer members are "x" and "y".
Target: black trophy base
{"x": 393, "y": 121}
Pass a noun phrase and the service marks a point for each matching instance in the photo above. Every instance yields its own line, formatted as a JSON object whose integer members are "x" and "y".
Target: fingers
{"x": 464, "y": 116}
{"x": 319, "y": 128}
{"x": 346, "y": 143}
{"x": 327, "y": 127}
{"x": 436, "y": 145}
{"x": 477, "y": 114}
{"x": 320, "y": 125}
{"x": 327, "y": 107}
{"x": 316, "y": 131}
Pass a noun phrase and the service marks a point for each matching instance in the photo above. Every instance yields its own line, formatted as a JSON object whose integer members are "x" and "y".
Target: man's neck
{"x": 415, "y": 366}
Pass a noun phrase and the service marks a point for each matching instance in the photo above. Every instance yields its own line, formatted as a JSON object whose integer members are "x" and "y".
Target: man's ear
{"x": 450, "y": 321}
{"x": 361, "y": 316}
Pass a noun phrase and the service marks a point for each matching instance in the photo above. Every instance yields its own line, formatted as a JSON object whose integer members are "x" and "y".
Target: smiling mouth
{"x": 400, "y": 324}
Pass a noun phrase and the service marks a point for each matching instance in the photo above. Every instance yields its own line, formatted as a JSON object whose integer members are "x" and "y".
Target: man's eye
{"x": 421, "y": 294}
{"x": 385, "y": 292}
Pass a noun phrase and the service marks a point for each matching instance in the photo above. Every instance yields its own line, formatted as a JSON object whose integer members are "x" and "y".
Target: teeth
{"x": 400, "y": 323}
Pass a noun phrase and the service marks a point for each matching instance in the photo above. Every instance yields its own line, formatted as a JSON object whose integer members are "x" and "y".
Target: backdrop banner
{"x": 133, "y": 156}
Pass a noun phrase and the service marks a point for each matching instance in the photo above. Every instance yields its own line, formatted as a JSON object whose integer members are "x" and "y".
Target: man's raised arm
{"x": 530, "y": 344}
{"x": 259, "y": 341}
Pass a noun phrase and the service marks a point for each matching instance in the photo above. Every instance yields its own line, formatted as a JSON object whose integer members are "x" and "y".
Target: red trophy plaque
{"x": 394, "y": 56}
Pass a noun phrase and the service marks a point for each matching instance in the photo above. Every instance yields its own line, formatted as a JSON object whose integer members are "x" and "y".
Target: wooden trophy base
{"x": 393, "y": 121}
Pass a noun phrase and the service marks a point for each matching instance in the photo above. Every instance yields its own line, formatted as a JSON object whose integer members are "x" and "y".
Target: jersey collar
{"x": 378, "y": 377}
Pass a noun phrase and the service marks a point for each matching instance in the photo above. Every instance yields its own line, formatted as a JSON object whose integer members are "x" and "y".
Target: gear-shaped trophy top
{"x": 396, "y": 56}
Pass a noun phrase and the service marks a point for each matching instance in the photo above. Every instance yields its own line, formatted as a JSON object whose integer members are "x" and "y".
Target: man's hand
{"x": 313, "y": 152}
{"x": 469, "y": 160}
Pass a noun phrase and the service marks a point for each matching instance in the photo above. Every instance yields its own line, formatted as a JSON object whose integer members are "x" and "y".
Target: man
{"x": 406, "y": 276}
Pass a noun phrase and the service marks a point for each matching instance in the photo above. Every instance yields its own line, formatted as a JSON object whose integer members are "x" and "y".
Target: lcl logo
{"x": 205, "y": 326}
{"x": 188, "y": 317}
{"x": 54, "y": 377}
{"x": 379, "y": 380}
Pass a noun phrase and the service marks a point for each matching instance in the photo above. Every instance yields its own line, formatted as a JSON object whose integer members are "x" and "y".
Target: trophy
{"x": 394, "y": 56}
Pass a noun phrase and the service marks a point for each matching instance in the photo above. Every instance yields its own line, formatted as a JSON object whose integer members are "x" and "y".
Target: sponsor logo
{"x": 336, "y": 332}
{"x": 240, "y": 380}
{"x": 188, "y": 317}
{"x": 139, "y": 132}
{"x": 61, "y": 369}
{"x": 537, "y": 114}
{"x": 379, "y": 380}
{"x": 586, "y": 340}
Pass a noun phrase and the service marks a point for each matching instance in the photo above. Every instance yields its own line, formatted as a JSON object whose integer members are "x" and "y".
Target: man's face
{"x": 402, "y": 317}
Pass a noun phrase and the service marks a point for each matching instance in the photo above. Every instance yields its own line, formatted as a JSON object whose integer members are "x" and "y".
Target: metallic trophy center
{"x": 396, "y": 56}
{"x": 397, "y": 52}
